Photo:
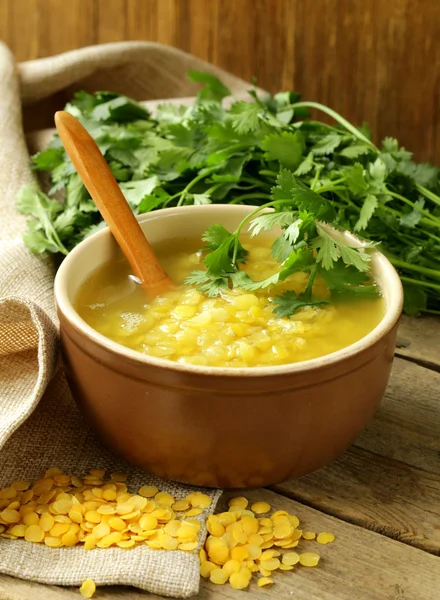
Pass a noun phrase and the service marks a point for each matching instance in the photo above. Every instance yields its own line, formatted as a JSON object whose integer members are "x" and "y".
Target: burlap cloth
{"x": 40, "y": 426}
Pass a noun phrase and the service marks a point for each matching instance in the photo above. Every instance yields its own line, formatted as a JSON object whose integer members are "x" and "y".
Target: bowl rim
{"x": 393, "y": 309}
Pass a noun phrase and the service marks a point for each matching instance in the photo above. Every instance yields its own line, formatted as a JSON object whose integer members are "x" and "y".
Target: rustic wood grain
{"x": 419, "y": 340}
{"x": 390, "y": 480}
{"x": 371, "y": 60}
{"x": 360, "y": 565}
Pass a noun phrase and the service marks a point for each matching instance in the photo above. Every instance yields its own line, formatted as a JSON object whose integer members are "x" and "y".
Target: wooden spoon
{"x": 106, "y": 193}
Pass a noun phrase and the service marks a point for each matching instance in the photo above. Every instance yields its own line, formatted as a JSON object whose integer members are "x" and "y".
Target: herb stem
{"x": 248, "y": 218}
{"x": 410, "y": 267}
{"x": 426, "y": 213}
{"x": 428, "y": 284}
{"x": 251, "y": 196}
{"x": 337, "y": 117}
{"x": 268, "y": 173}
{"x": 428, "y": 194}
{"x": 251, "y": 179}
{"x": 330, "y": 186}
{"x": 316, "y": 178}
{"x": 189, "y": 186}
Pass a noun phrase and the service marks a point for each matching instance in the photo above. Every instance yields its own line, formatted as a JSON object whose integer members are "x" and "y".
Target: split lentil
{"x": 241, "y": 543}
{"x": 62, "y": 510}
{"x": 65, "y": 510}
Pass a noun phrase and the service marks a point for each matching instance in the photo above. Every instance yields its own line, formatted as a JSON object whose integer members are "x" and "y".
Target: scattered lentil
{"x": 325, "y": 538}
{"x": 88, "y": 588}
{"x": 64, "y": 510}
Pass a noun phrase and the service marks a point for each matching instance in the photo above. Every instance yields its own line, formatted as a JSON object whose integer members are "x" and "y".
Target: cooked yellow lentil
{"x": 236, "y": 329}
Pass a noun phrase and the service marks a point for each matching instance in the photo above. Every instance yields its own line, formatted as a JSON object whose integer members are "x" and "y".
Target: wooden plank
{"x": 418, "y": 340}
{"x": 60, "y": 26}
{"x": 390, "y": 480}
{"x": 379, "y": 76}
{"x": 359, "y": 565}
{"x": 111, "y": 21}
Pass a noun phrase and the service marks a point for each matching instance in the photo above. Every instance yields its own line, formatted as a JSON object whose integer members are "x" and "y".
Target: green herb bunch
{"x": 263, "y": 152}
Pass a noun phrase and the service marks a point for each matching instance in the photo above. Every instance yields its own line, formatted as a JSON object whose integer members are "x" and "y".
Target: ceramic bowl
{"x": 220, "y": 427}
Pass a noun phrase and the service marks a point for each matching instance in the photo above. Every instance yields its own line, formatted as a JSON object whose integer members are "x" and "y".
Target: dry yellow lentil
{"x": 218, "y": 576}
{"x": 87, "y": 589}
{"x": 325, "y": 538}
{"x": 260, "y": 508}
{"x": 250, "y": 544}
{"x": 309, "y": 559}
{"x": 65, "y": 510}
{"x": 309, "y": 535}
{"x": 262, "y": 581}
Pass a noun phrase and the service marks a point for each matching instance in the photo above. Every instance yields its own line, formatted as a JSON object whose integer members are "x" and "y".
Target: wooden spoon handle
{"x": 106, "y": 193}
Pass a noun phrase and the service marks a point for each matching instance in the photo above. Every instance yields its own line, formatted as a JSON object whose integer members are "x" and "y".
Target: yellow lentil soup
{"x": 235, "y": 329}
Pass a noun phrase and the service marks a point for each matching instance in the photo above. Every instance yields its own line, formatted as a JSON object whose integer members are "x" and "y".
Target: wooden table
{"x": 381, "y": 499}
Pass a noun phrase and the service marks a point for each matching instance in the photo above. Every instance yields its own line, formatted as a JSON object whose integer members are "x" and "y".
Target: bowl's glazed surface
{"x": 212, "y": 426}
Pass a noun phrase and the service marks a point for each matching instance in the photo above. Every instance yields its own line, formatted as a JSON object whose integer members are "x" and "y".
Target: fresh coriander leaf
{"x": 355, "y": 179}
{"x": 414, "y": 300}
{"x": 427, "y": 175}
{"x": 120, "y": 172}
{"x": 148, "y": 203}
{"x": 289, "y": 303}
{"x": 36, "y": 239}
{"x": 84, "y": 101}
{"x": 412, "y": 218}
{"x": 341, "y": 275}
{"x": 171, "y": 113}
{"x": 211, "y": 286}
{"x": 33, "y": 202}
{"x": 214, "y": 89}
{"x": 281, "y": 248}
{"x": 48, "y": 159}
{"x": 93, "y": 229}
{"x": 293, "y": 230}
{"x": 390, "y": 145}
{"x": 285, "y": 116}
{"x": 220, "y": 261}
{"x": 327, "y": 144}
{"x": 287, "y": 148}
{"x": 200, "y": 199}
{"x": 135, "y": 191}
{"x": 120, "y": 110}
{"x": 355, "y": 151}
{"x": 378, "y": 170}
{"x": 215, "y": 235}
{"x": 267, "y": 221}
{"x": 76, "y": 192}
{"x": 330, "y": 250}
{"x": 244, "y": 116}
{"x": 367, "y": 211}
{"x": 124, "y": 156}
{"x": 305, "y": 166}
{"x": 291, "y": 188}
{"x": 300, "y": 259}
{"x": 242, "y": 280}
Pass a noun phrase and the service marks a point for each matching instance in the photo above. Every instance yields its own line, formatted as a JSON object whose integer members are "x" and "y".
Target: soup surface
{"x": 236, "y": 329}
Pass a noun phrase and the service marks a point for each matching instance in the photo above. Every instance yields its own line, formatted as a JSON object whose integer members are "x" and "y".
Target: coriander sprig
{"x": 311, "y": 248}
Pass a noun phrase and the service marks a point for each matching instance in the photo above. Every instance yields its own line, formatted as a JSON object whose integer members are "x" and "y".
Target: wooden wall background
{"x": 372, "y": 60}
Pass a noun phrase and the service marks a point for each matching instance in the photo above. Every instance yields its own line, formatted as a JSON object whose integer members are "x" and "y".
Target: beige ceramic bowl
{"x": 212, "y": 426}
